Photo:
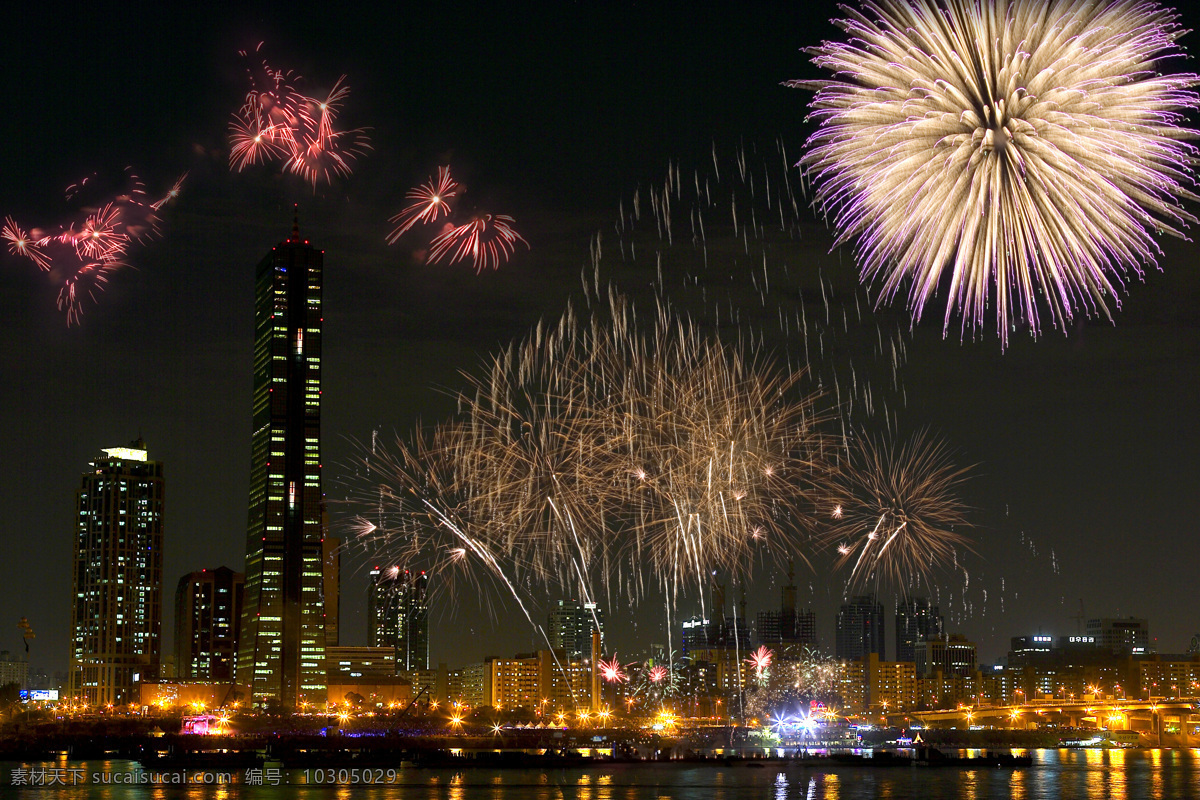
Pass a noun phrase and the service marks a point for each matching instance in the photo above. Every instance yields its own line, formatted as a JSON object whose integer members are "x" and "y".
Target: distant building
{"x": 281, "y": 647}
{"x": 116, "y": 611}
{"x": 859, "y": 628}
{"x": 208, "y": 611}
{"x": 359, "y": 662}
{"x": 570, "y": 628}
{"x": 398, "y": 615}
{"x": 13, "y": 670}
{"x": 1128, "y": 635}
{"x": 950, "y": 656}
{"x": 787, "y": 628}
{"x": 916, "y": 621}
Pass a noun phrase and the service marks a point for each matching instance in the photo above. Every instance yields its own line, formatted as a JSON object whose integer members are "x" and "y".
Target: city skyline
{"x": 1082, "y": 443}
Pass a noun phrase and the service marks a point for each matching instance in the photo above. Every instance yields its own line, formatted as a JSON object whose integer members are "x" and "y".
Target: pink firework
{"x": 657, "y": 674}
{"x": 427, "y": 202}
{"x": 611, "y": 671}
{"x": 760, "y": 659}
{"x": 277, "y": 122}
{"x": 82, "y": 255}
{"x": 487, "y": 240}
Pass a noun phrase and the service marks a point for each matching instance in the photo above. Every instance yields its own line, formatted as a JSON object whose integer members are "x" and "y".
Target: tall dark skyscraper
{"x": 916, "y": 621}
{"x": 398, "y": 615}
{"x": 571, "y": 626}
{"x": 787, "y": 628}
{"x": 860, "y": 628}
{"x": 281, "y": 651}
{"x": 208, "y": 611}
{"x": 116, "y": 609}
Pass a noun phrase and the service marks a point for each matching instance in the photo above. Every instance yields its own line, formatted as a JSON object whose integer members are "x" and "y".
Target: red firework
{"x": 428, "y": 202}
{"x": 657, "y": 674}
{"x": 611, "y": 671}
{"x": 81, "y": 256}
{"x": 487, "y": 240}
{"x": 277, "y": 122}
{"x": 760, "y": 659}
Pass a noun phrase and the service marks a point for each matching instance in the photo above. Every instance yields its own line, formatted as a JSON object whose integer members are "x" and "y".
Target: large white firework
{"x": 1020, "y": 153}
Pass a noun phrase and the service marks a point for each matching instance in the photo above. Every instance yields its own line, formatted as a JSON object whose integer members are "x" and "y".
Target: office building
{"x": 398, "y": 615}
{"x": 331, "y": 566}
{"x": 1126, "y": 635}
{"x": 859, "y": 628}
{"x": 281, "y": 651}
{"x": 208, "y": 611}
{"x": 116, "y": 610}
{"x": 953, "y": 655}
{"x": 916, "y": 621}
{"x": 570, "y": 628}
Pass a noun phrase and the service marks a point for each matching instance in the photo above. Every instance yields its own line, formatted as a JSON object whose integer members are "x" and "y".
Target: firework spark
{"x": 760, "y": 659}
{"x": 487, "y": 241}
{"x": 81, "y": 256}
{"x": 597, "y": 456}
{"x": 1004, "y": 151}
{"x": 900, "y": 510}
{"x": 277, "y": 122}
{"x": 427, "y": 202}
{"x": 611, "y": 671}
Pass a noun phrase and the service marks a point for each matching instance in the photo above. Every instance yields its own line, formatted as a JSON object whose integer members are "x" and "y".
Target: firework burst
{"x": 80, "y": 256}
{"x": 899, "y": 510}
{"x": 277, "y": 122}
{"x": 427, "y": 202}
{"x": 602, "y": 458}
{"x": 1003, "y": 151}
{"x": 486, "y": 240}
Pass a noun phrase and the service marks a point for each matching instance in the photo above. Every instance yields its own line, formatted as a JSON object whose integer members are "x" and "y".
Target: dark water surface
{"x": 1055, "y": 774}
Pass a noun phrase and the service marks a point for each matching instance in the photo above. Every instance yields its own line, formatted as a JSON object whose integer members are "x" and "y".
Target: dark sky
{"x": 1086, "y": 480}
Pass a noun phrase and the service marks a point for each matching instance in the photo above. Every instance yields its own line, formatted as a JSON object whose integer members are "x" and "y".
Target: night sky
{"x": 1086, "y": 484}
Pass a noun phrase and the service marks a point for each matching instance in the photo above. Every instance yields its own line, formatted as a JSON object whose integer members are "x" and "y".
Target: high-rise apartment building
{"x": 281, "y": 651}
{"x": 570, "y": 628}
{"x": 208, "y": 611}
{"x": 398, "y": 615}
{"x": 116, "y": 610}
{"x": 859, "y": 628}
{"x": 916, "y": 621}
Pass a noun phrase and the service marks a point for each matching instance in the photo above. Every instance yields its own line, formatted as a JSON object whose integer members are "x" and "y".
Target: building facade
{"x": 281, "y": 653}
{"x": 570, "y": 628}
{"x": 116, "y": 610}
{"x": 916, "y": 621}
{"x": 859, "y": 628}
{"x": 398, "y": 615}
{"x": 208, "y": 613}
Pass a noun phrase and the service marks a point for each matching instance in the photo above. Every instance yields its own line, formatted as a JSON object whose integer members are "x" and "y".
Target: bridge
{"x": 1161, "y": 721}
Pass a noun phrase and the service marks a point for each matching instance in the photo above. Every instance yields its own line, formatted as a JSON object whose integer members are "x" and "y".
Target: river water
{"x": 1066, "y": 774}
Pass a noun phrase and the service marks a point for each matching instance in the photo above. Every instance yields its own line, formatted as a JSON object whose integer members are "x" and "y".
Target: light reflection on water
{"x": 1067, "y": 774}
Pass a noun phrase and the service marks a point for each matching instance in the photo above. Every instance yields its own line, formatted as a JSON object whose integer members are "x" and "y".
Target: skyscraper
{"x": 787, "y": 628}
{"x": 281, "y": 652}
{"x": 116, "y": 613}
{"x": 916, "y": 621}
{"x": 860, "y": 628}
{"x": 571, "y": 626}
{"x": 398, "y": 615}
{"x": 208, "y": 610}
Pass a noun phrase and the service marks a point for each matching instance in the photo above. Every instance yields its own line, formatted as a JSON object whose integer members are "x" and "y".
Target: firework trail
{"x": 1003, "y": 151}
{"x": 80, "y": 256}
{"x": 895, "y": 510}
{"x": 600, "y": 458}
{"x": 277, "y": 122}
{"x": 486, "y": 240}
{"x": 427, "y": 202}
